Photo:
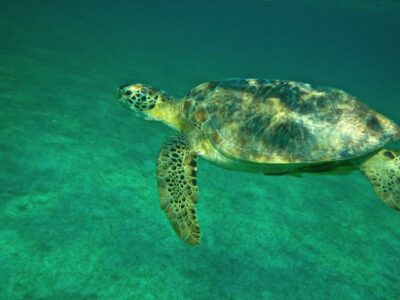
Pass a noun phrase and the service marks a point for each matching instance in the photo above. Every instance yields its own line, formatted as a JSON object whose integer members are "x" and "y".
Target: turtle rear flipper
{"x": 383, "y": 170}
{"x": 176, "y": 172}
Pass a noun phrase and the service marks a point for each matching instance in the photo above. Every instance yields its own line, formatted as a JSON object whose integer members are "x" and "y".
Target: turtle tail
{"x": 383, "y": 171}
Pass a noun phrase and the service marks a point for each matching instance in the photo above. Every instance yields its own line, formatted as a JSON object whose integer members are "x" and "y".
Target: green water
{"x": 79, "y": 208}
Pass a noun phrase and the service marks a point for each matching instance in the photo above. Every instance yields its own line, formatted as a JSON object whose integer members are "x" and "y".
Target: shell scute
{"x": 276, "y": 121}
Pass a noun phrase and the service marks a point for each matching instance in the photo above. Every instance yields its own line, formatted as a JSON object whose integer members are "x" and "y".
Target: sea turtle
{"x": 273, "y": 127}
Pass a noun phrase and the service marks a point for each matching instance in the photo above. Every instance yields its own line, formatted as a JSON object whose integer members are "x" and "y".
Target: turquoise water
{"x": 79, "y": 208}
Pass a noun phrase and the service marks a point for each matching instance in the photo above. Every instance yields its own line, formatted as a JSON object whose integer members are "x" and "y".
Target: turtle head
{"x": 140, "y": 98}
{"x": 149, "y": 103}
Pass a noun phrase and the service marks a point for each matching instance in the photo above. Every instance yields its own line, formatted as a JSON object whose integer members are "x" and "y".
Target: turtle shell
{"x": 275, "y": 121}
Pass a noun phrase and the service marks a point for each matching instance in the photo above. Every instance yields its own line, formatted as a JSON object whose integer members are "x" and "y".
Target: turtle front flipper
{"x": 176, "y": 172}
{"x": 383, "y": 170}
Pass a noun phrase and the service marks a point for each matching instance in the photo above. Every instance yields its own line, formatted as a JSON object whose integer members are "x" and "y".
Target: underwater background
{"x": 79, "y": 207}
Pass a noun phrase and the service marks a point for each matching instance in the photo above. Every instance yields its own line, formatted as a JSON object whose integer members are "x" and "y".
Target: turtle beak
{"x": 120, "y": 96}
{"x": 121, "y": 88}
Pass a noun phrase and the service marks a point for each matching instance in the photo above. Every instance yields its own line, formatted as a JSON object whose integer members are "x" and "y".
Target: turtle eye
{"x": 128, "y": 92}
